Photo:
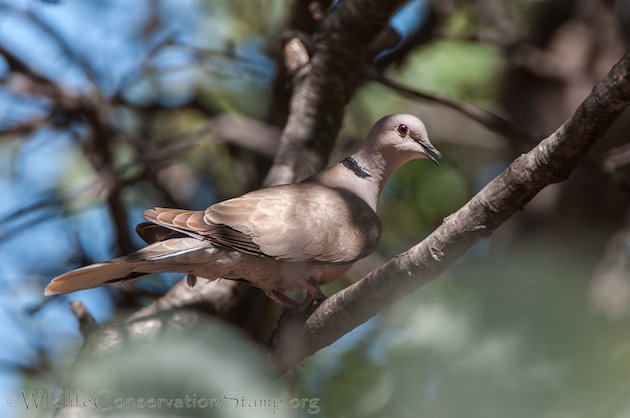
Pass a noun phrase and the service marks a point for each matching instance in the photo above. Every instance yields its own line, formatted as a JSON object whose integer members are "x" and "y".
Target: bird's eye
{"x": 402, "y": 130}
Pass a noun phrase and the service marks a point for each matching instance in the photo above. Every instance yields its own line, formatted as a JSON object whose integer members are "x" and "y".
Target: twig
{"x": 18, "y": 65}
{"x": 52, "y": 32}
{"x": 135, "y": 74}
{"x": 147, "y": 70}
{"x": 25, "y": 128}
{"x": 484, "y": 117}
{"x": 87, "y": 323}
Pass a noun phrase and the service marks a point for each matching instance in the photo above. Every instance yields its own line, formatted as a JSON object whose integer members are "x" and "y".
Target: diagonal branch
{"x": 492, "y": 121}
{"x": 551, "y": 161}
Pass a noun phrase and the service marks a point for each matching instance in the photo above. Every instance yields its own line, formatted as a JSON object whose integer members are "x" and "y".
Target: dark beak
{"x": 433, "y": 154}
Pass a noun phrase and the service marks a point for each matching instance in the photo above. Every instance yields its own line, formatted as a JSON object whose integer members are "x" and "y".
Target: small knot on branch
{"x": 87, "y": 323}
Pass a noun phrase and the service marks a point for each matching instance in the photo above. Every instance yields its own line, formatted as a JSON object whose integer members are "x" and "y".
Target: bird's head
{"x": 403, "y": 137}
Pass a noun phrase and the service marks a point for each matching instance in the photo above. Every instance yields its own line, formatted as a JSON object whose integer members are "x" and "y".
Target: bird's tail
{"x": 173, "y": 255}
{"x": 92, "y": 276}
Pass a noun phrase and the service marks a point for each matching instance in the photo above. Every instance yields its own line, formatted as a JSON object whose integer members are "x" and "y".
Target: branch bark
{"x": 551, "y": 161}
{"x": 87, "y": 324}
{"x": 318, "y": 102}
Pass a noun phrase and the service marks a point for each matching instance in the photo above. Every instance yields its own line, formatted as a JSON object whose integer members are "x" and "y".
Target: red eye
{"x": 402, "y": 130}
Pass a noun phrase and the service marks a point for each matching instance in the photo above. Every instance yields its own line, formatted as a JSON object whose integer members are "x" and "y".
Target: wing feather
{"x": 304, "y": 222}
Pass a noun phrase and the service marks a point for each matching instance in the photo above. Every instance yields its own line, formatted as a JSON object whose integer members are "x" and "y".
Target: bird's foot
{"x": 283, "y": 300}
{"x": 314, "y": 298}
{"x": 314, "y": 293}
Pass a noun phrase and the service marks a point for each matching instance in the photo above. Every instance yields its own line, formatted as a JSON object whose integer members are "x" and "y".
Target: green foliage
{"x": 206, "y": 373}
{"x": 222, "y": 168}
{"x": 416, "y": 200}
{"x": 243, "y": 19}
{"x": 512, "y": 338}
{"x": 456, "y": 69}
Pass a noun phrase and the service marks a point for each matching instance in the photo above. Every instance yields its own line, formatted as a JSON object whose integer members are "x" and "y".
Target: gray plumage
{"x": 281, "y": 238}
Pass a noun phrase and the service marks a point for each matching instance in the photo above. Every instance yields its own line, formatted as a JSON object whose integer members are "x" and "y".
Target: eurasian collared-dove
{"x": 281, "y": 238}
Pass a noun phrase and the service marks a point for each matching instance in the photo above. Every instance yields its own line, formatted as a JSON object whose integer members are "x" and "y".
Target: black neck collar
{"x": 352, "y": 165}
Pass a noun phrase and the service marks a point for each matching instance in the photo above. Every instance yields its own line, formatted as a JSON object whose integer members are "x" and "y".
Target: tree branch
{"x": 49, "y": 30}
{"x": 551, "y": 161}
{"x": 318, "y": 102}
{"x": 484, "y": 117}
{"x": 87, "y": 323}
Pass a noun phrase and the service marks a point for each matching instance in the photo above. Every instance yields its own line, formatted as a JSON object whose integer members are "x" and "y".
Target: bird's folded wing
{"x": 296, "y": 222}
{"x": 191, "y": 223}
{"x": 150, "y": 232}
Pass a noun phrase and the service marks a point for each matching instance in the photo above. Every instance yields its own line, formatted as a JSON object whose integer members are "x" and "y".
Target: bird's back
{"x": 304, "y": 222}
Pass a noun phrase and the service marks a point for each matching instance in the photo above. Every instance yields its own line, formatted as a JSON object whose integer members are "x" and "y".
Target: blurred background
{"x": 111, "y": 107}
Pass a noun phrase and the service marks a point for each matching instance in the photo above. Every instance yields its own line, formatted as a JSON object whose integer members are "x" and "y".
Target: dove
{"x": 282, "y": 238}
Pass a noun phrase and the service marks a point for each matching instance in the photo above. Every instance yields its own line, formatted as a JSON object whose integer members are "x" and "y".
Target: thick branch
{"x": 318, "y": 102}
{"x": 550, "y": 162}
{"x": 216, "y": 297}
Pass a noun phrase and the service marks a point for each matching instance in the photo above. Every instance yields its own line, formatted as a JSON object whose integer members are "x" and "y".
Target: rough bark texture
{"x": 319, "y": 99}
{"x": 551, "y": 161}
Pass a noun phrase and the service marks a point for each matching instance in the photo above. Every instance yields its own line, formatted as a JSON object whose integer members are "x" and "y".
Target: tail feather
{"x": 90, "y": 276}
{"x": 173, "y": 255}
